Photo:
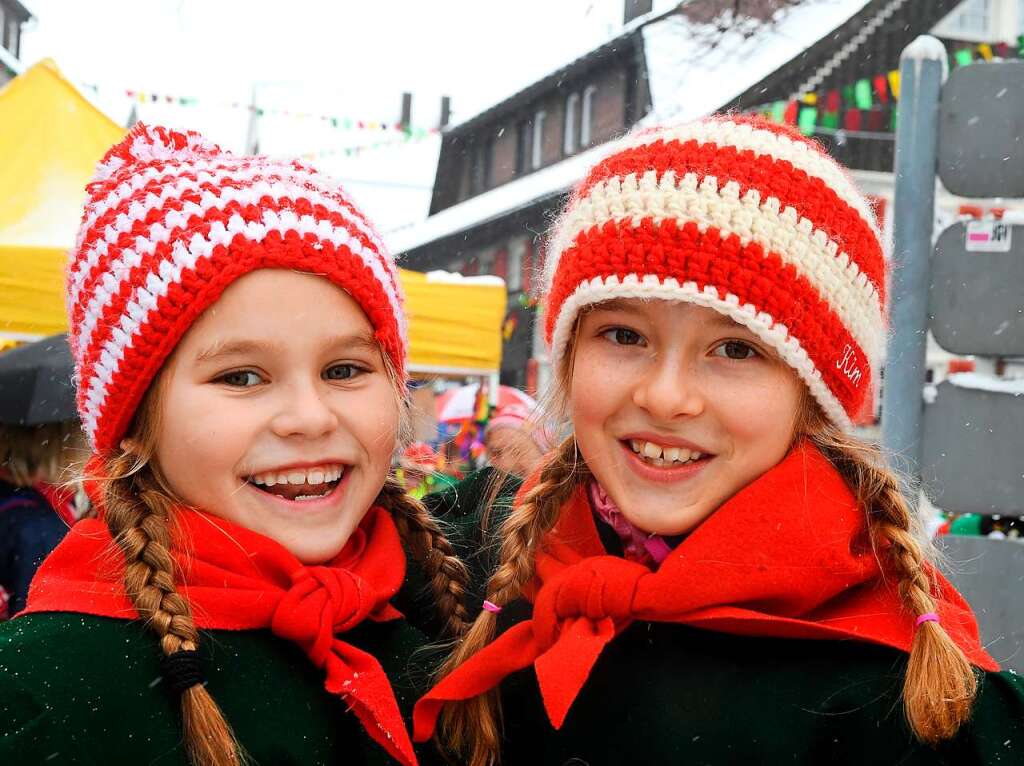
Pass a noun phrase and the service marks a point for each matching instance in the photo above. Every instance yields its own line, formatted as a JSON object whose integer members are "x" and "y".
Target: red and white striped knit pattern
{"x": 170, "y": 221}
{"x": 743, "y": 216}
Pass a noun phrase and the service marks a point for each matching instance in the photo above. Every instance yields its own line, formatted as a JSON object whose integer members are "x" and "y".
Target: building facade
{"x": 503, "y": 174}
{"x": 12, "y": 16}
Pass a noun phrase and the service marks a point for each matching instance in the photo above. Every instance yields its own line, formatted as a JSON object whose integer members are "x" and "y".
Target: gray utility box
{"x": 990, "y": 575}
{"x": 972, "y": 457}
{"x": 977, "y": 289}
{"x": 981, "y": 130}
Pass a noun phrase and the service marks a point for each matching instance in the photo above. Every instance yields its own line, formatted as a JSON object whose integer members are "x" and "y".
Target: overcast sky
{"x": 346, "y": 58}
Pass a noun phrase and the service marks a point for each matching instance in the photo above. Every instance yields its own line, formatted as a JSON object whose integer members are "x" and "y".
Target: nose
{"x": 304, "y": 412}
{"x": 669, "y": 388}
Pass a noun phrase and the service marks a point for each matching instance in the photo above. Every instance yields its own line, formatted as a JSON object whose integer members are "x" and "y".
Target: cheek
{"x": 377, "y": 430}
{"x": 597, "y": 397}
{"x": 762, "y": 416}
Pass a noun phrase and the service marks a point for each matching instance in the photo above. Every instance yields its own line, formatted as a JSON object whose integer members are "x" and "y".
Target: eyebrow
{"x": 249, "y": 347}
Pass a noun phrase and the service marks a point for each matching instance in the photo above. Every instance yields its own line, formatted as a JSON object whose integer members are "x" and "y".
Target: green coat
{"x": 671, "y": 694}
{"x": 79, "y": 689}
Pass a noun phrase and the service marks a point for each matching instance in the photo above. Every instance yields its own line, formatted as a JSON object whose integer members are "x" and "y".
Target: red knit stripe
{"x": 201, "y": 287}
{"x": 249, "y": 213}
{"x": 684, "y": 253}
{"x": 270, "y": 174}
{"x": 811, "y": 197}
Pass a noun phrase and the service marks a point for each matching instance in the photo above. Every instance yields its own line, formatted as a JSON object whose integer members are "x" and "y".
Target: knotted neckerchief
{"x": 787, "y": 556}
{"x": 237, "y": 579}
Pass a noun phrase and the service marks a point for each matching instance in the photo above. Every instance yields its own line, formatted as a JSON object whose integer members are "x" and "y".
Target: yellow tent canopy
{"x": 50, "y": 141}
{"x": 51, "y": 138}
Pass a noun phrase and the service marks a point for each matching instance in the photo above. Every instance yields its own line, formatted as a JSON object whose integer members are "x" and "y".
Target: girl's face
{"x": 676, "y": 408}
{"x": 277, "y": 412}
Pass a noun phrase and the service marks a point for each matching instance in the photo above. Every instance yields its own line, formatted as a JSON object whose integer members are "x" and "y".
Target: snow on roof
{"x": 8, "y": 60}
{"x": 687, "y": 80}
{"x": 979, "y": 382}
{"x": 552, "y": 180}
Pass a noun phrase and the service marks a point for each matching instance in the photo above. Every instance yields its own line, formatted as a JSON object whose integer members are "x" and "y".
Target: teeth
{"x": 313, "y": 476}
{"x": 651, "y": 450}
{"x": 659, "y": 455}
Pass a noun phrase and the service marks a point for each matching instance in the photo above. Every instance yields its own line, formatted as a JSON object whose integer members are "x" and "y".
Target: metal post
{"x": 922, "y": 72}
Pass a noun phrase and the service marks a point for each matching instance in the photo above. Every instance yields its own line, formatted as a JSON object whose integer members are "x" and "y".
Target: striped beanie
{"x": 170, "y": 221}
{"x": 740, "y": 215}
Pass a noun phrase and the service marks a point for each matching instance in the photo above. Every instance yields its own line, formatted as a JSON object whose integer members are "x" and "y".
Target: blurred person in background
{"x": 514, "y": 443}
{"x": 35, "y": 508}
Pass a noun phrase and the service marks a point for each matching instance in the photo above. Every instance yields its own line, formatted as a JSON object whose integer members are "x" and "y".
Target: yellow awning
{"x": 454, "y": 322}
{"x": 51, "y": 138}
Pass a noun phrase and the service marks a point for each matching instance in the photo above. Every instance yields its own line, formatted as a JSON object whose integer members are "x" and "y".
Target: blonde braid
{"x": 449, "y": 577}
{"x": 472, "y": 728}
{"x": 137, "y": 513}
{"x": 940, "y": 684}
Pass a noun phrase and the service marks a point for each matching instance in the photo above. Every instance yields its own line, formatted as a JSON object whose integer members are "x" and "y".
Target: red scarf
{"x": 237, "y": 579}
{"x": 778, "y": 559}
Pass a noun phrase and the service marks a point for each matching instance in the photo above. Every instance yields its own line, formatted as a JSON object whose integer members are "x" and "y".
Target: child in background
{"x": 36, "y": 510}
{"x": 514, "y": 443}
{"x": 712, "y": 569}
{"x": 240, "y": 352}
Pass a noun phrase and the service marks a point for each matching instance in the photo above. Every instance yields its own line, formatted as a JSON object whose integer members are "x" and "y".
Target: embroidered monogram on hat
{"x": 170, "y": 221}
{"x": 743, "y": 216}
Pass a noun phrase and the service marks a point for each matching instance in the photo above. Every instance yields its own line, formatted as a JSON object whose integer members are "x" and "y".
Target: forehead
{"x": 673, "y": 313}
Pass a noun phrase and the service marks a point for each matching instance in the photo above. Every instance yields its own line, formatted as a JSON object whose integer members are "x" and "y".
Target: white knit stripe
{"x": 169, "y": 270}
{"x": 215, "y": 172}
{"x": 836, "y": 278}
{"x": 765, "y": 143}
{"x": 761, "y": 324}
{"x": 253, "y": 190}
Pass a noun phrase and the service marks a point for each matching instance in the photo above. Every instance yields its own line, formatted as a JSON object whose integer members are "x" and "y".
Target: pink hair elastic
{"x": 491, "y": 607}
{"x": 929, "y": 617}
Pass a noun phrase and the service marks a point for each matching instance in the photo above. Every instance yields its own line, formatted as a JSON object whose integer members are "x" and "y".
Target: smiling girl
{"x": 240, "y": 352}
{"x": 711, "y": 569}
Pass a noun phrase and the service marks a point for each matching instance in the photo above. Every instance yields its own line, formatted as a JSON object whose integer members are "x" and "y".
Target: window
{"x": 516, "y": 252}
{"x": 480, "y": 172}
{"x": 971, "y": 19}
{"x": 572, "y": 104}
{"x": 587, "y": 118}
{"x": 537, "y": 148}
{"x": 523, "y": 139}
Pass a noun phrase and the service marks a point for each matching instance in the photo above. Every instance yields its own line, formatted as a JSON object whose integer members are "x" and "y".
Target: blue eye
{"x": 623, "y": 336}
{"x": 240, "y": 379}
{"x": 341, "y": 372}
{"x": 735, "y": 349}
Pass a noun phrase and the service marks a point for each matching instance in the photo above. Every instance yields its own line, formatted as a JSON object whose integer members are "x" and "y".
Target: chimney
{"x": 406, "y": 121}
{"x": 446, "y": 111}
{"x": 635, "y": 8}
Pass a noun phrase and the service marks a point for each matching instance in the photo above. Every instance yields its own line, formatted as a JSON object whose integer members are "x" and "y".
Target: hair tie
{"x": 929, "y": 617}
{"x": 491, "y": 607}
{"x": 181, "y": 670}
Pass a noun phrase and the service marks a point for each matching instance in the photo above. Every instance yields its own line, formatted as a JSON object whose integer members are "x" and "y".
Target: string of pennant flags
{"x": 339, "y": 122}
{"x": 868, "y": 108}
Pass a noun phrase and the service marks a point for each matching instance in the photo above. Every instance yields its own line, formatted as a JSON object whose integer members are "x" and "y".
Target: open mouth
{"x": 299, "y": 484}
{"x": 663, "y": 456}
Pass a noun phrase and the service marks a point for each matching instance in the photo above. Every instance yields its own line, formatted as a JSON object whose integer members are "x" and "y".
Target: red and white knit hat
{"x": 170, "y": 221}
{"x": 741, "y": 215}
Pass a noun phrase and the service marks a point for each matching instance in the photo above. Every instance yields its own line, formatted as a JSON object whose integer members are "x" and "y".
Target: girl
{"x": 240, "y": 353}
{"x": 710, "y": 569}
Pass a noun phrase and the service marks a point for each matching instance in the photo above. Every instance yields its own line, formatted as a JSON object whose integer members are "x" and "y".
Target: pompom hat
{"x": 740, "y": 215}
{"x": 170, "y": 221}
